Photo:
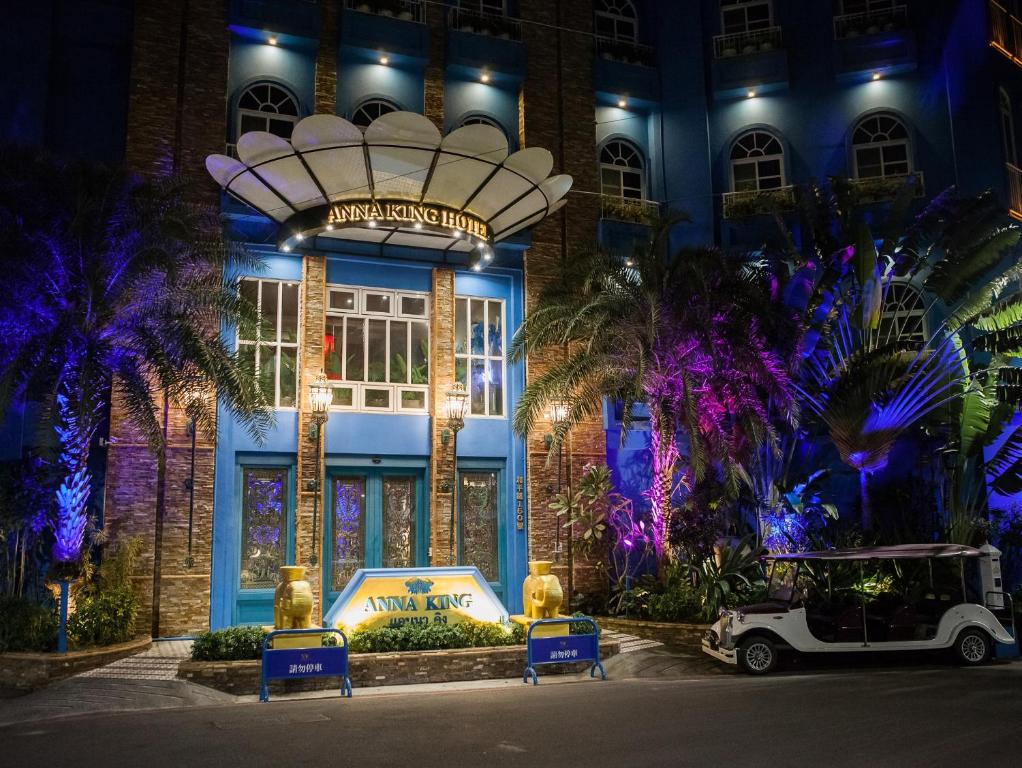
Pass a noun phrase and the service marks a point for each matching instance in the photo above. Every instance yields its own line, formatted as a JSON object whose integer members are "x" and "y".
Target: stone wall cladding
{"x": 310, "y": 452}
{"x": 557, "y": 108}
{"x": 441, "y": 361}
{"x": 370, "y": 670}
{"x": 326, "y": 60}
{"x": 27, "y": 671}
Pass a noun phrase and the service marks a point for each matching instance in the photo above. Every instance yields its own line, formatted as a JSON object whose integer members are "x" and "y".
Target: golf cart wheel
{"x": 972, "y": 647}
{"x": 757, "y": 655}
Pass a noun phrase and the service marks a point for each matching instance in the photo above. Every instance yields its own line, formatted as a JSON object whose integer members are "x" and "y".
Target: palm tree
{"x": 117, "y": 288}
{"x": 687, "y": 333}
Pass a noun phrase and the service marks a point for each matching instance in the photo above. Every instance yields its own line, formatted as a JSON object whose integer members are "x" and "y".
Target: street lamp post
{"x": 457, "y": 406}
{"x": 320, "y": 398}
{"x": 558, "y": 415}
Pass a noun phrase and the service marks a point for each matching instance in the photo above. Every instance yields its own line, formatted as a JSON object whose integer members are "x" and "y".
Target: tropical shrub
{"x": 107, "y": 611}
{"x": 26, "y": 625}
{"x": 734, "y": 577}
{"x": 231, "y": 644}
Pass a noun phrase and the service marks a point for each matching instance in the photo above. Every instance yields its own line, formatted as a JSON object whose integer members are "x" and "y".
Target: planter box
{"x": 369, "y": 670}
{"x": 26, "y": 671}
{"x": 677, "y": 634}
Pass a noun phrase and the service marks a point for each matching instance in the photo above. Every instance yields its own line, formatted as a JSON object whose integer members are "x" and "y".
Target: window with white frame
{"x": 271, "y": 345}
{"x": 479, "y": 353}
{"x": 376, "y": 349}
{"x": 478, "y": 119}
{"x": 369, "y": 110}
{"x": 740, "y": 16}
{"x": 880, "y": 147}
{"x": 267, "y": 107}
{"x": 1007, "y": 127}
{"x": 903, "y": 316}
{"x": 757, "y": 162}
{"x": 617, "y": 20}
{"x": 622, "y": 171}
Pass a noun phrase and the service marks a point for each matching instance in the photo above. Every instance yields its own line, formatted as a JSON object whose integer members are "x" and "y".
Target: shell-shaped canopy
{"x": 400, "y": 158}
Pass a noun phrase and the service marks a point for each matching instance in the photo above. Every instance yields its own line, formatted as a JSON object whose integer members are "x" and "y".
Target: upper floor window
{"x": 492, "y": 7}
{"x": 903, "y": 315}
{"x": 271, "y": 346}
{"x": 376, "y": 349}
{"x": 479, "y": 353}
{"x": 757, "y": 162}
{"x": 880, "y": 147}
{"x": 369, "y": 110}
{"x": 1007, "y": 127}
{"x": 617, "y": 20}
{"x": 267, "y": 107}
{"x": 849, "y": 7}
{"x": 738, "y": 16}
{"x": 481, "y": 120}
{"x": 622, "y": 171}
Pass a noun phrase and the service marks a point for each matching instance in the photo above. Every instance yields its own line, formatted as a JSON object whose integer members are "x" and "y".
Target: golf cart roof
{"x": 900, "y": 552}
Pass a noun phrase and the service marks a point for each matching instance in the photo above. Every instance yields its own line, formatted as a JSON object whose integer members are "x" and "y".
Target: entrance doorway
{"x": 374, "y": 518}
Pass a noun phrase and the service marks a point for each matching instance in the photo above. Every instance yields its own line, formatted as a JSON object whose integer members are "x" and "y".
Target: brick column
{"x": 308, "y": 474}
{"x": 433, "y": 93}
{"x": 441, "y": 461}
{"x": 557, "y": 108}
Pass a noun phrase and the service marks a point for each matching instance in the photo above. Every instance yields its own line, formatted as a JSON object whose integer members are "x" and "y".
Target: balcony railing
{"x": 745, "y": 43}
{"x": 485, "y": 24}
{"x": 879, "y": 189}
{"x": 406, "y": 10}
{"x": 633, "y": 211}
{"x": 740, "y": 205}
{"x": 1005, "y": 32}
{"x": 1014, "y": 191}
{"x": 870, "y": 22}
{"x": 629, "y": 53}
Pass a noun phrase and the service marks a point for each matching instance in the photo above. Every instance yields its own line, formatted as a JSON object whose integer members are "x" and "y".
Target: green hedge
{"x": 246, "y": 643}
{"x": 27, "y": 626}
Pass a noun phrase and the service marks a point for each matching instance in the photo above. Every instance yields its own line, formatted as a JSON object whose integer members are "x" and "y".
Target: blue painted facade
{"x": 681, "y": 96}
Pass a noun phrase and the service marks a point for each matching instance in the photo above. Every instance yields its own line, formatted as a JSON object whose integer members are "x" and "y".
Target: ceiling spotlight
{"x": 622, "y": 103}
{"x": 876, "y": 75}
{"x": 299, "y": 236}
{"x": 628, "y": 262}
{"x": 751, "y": 94}
{"x": 385, "y": 59}
{"x": 271, "y": 40}
{"x": 477, "y": 267}
{"x": 487, "y": 255}
{"x": 372, "y": 222}
{"x": 418, "y": 225}
{"x": 485, "y": 77}
{"x": 457, "y": 233}
{"x": 286, "y": 248}
{"x": 329, "y": 227}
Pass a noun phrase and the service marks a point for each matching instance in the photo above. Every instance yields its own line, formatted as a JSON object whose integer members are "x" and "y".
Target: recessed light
{"x": 457, "y": 233}
{"x": 485, "y": 77}
{"x": 477, "y": 267}
{"x": 622, "y": 103}
{"x": 385, "y": 60}
{"x": 876, "y": 75}
{"x": 751, "y": 94}
{"x": 487, "y": 255}
{"x": 372, "y": 222}
{"x": 271, "y": 40}
{"x": 299, "y": 237}
{"x": 286, "y": 248}
{"x": 418, "y": 225}
{"x": 628, "y": 262}
{"x": 329, "y": 227}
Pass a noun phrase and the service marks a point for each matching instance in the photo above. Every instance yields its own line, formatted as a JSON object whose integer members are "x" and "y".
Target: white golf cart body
{"x": 784, "y": 622}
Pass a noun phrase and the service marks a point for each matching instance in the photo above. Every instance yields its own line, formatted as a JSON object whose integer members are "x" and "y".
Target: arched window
{"x": 481, "y": 120}
{"x": 1007, "y": 127}
{"x": 369, "y": 110}
{"x": 267, "y": 107}
{"x": 617, "y": 20}
{"x": 880, "y": 147}
{"x": 903, "y": 317}
{"x": 622, "y": 171}
{"x": 757, "y": 162}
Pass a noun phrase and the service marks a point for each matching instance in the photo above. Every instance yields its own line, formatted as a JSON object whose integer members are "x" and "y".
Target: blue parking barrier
{"x": 296, "y": 663}
{"x": 564, "y": 649}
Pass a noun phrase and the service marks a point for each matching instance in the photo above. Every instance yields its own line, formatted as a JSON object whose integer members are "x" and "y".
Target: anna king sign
{"x": 392, "y": 597}
{"x": 401, "y": 212}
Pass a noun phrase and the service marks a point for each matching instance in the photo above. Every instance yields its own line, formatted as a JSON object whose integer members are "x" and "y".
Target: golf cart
{"x": 911, "y": 597}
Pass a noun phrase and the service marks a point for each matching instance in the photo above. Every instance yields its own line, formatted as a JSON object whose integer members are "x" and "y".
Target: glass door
{"x": 375, "y": 519}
